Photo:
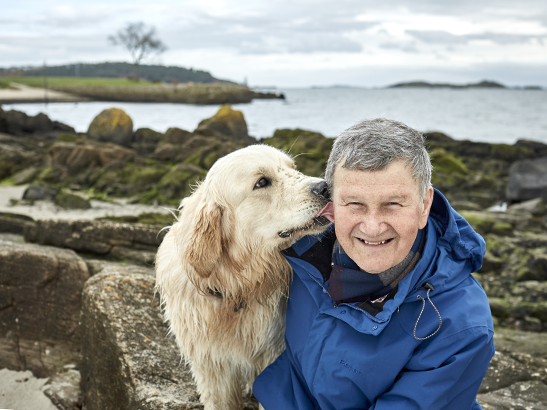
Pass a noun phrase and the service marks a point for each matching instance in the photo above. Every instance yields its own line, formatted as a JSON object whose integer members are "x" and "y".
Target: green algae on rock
{"x": 309, "y": 149}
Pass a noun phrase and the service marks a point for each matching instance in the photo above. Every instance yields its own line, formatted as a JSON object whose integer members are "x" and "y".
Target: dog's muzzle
{"x": 321, "y": 189}
{"x": 285, "y": 234}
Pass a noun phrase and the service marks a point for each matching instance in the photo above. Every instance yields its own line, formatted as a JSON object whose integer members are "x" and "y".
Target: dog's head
{"x": 253, "y": 202}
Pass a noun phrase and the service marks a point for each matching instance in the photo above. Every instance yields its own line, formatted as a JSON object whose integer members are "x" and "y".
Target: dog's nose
{"x": 321, "y": 189}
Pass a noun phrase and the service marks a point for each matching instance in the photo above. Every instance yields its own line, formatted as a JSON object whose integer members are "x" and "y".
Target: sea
{"x": 487, "y": 115}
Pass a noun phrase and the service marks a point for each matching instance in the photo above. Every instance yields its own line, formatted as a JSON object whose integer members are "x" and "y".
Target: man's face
{"x": 377, "y": 214}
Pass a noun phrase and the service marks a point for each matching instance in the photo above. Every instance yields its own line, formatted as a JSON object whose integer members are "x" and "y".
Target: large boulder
{"x": 227, "y": 122}
{"x": 100, "y": 237}
{"x": 145, "y": 140}
{"x": 129, "y": 360}
{"x": 112, "y": 125}
{"x": 177, "y": 136}
{"x": 15, "y": 223}
{"x": 519, "y": 396}
{"x": 40, "y": 301}
{"x": 527, "y": 180}
{"x": 19, "y": 123}
{"x": 14, "y": 159}
{"x": 517, "y": 373}
{"x": 74, "y": 157}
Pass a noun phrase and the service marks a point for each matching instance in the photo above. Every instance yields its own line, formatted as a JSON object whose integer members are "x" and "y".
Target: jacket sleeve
{"x": 280, "y": 386}
{"x": 429, "y": 382}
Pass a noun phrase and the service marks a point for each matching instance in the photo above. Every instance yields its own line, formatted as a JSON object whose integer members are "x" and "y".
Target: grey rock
{"x": 527, "y": 180}
{"x": 95, "y": 236}
{"x": 133, "y": 256}
{"x": 38, "y": 192}
{"x": 15, "y": 223}
{"x": 25, "y": 176}
{"x": 530, "y": 395}
{"x": 19, "y": 123}
{"x": 40, "y": 300}
{"x": 128, "y": 359}
{"x": 74, "y": 157}
{"x": 465, "y": 206}
{"x": 536, "y": 206}
{"x": 96, "y": 266}
{"x": 68, "y": 200}
{"x": 177, "y": 136}
{"x": 502, "y": 372}
{"x": 63, "y": 389}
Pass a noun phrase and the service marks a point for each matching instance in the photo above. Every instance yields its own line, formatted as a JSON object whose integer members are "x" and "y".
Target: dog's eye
{"x": 262, "y": 183}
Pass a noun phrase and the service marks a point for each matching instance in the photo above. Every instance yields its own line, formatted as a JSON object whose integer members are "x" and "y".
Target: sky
{"x": 295, "y": 43}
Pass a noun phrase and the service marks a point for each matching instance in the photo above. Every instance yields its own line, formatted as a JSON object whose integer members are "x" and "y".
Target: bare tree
{"x": 140, "y": 40}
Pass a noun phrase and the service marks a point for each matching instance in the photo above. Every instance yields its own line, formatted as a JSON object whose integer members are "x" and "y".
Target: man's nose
{"x": 372, "y": 224}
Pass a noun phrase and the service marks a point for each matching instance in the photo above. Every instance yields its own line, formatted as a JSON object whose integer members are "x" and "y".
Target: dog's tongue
{"x": 327, "y": 212}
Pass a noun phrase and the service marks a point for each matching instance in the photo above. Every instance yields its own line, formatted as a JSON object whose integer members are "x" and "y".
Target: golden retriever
{"x": 219, "y": 270}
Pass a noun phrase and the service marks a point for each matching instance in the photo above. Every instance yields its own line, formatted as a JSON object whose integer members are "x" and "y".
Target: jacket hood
{"x": 457, "y": 243}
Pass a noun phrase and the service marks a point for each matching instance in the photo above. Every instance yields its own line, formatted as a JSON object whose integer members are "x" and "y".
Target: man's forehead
{"x": 394, "y": 180}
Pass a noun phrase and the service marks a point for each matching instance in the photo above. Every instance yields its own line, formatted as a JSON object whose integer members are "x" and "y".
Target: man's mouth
{"x": 375, "y": 243}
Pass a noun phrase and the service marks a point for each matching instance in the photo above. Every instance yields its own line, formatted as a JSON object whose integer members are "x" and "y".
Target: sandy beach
{"x": 22, "y": 391}
{"x": 23, "y": 93}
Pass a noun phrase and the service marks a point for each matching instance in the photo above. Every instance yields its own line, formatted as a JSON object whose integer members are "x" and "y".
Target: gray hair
{"x": 373, "y": 144}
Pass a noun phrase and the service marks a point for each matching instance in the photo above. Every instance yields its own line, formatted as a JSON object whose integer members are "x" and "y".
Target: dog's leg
{"x": 260, "y": 407}
{"x": 218, "y": 384}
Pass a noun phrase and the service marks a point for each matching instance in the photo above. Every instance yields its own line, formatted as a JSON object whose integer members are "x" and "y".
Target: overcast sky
{"x": 296, "y": 42}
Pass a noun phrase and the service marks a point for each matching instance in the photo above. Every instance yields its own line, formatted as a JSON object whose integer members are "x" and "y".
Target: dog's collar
{"x": 218, "y": 294}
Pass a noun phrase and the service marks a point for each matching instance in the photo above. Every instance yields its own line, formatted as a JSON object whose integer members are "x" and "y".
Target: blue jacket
{"x": 341, "y": 357}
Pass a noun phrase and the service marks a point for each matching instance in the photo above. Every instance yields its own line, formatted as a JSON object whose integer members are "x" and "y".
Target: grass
{"x": 74, "y": 82}
{"x": 5, "y": 84}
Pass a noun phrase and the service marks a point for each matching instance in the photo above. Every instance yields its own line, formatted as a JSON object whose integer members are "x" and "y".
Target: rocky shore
{"x": 77, "y": 301}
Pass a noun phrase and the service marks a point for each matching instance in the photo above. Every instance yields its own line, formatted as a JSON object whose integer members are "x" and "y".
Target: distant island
{"x": 481, "y": 84}
{"x": 154, "y": 73}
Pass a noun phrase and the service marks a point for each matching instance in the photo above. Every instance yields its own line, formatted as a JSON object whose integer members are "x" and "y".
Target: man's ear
{"x": 204, "y": 246}
{"x": 426, "y": 207}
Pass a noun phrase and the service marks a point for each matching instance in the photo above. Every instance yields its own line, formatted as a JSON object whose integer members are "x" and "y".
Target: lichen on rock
{"x": 111, "y": 125}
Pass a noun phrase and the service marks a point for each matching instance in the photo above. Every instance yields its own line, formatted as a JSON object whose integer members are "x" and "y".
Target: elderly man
{"x": 383, "y": 311}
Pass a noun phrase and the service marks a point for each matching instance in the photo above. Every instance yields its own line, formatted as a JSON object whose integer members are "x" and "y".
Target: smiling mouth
{"x": 377, "y": 243}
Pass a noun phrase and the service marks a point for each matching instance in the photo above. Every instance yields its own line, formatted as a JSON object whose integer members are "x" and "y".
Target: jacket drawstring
{"x": 428, "y": 287}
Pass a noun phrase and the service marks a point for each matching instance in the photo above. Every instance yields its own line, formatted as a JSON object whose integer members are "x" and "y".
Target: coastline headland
{"x": 61, "y": 89}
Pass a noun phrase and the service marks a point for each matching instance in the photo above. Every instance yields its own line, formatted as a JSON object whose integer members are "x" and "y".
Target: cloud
{"x": 406, "y": 47}
{"x": 446, "y": 38}
{"x": 267, "y": 35}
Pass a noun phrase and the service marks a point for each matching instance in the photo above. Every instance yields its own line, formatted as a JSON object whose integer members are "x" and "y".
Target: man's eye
{"x": 393, "y": 203}
{"x": 262, "y": 183}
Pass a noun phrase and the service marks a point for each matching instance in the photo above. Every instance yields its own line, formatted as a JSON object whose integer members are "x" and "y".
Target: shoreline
{"x": 200, "y": 94}
{"x": 44, "y": 209}
{"x": 25, "y": 94}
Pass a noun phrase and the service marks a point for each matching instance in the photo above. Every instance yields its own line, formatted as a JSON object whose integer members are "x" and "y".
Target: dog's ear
{"x": 204, "y": 247}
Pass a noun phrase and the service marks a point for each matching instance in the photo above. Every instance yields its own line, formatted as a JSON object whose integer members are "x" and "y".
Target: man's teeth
{"x": 374, "y": 243}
